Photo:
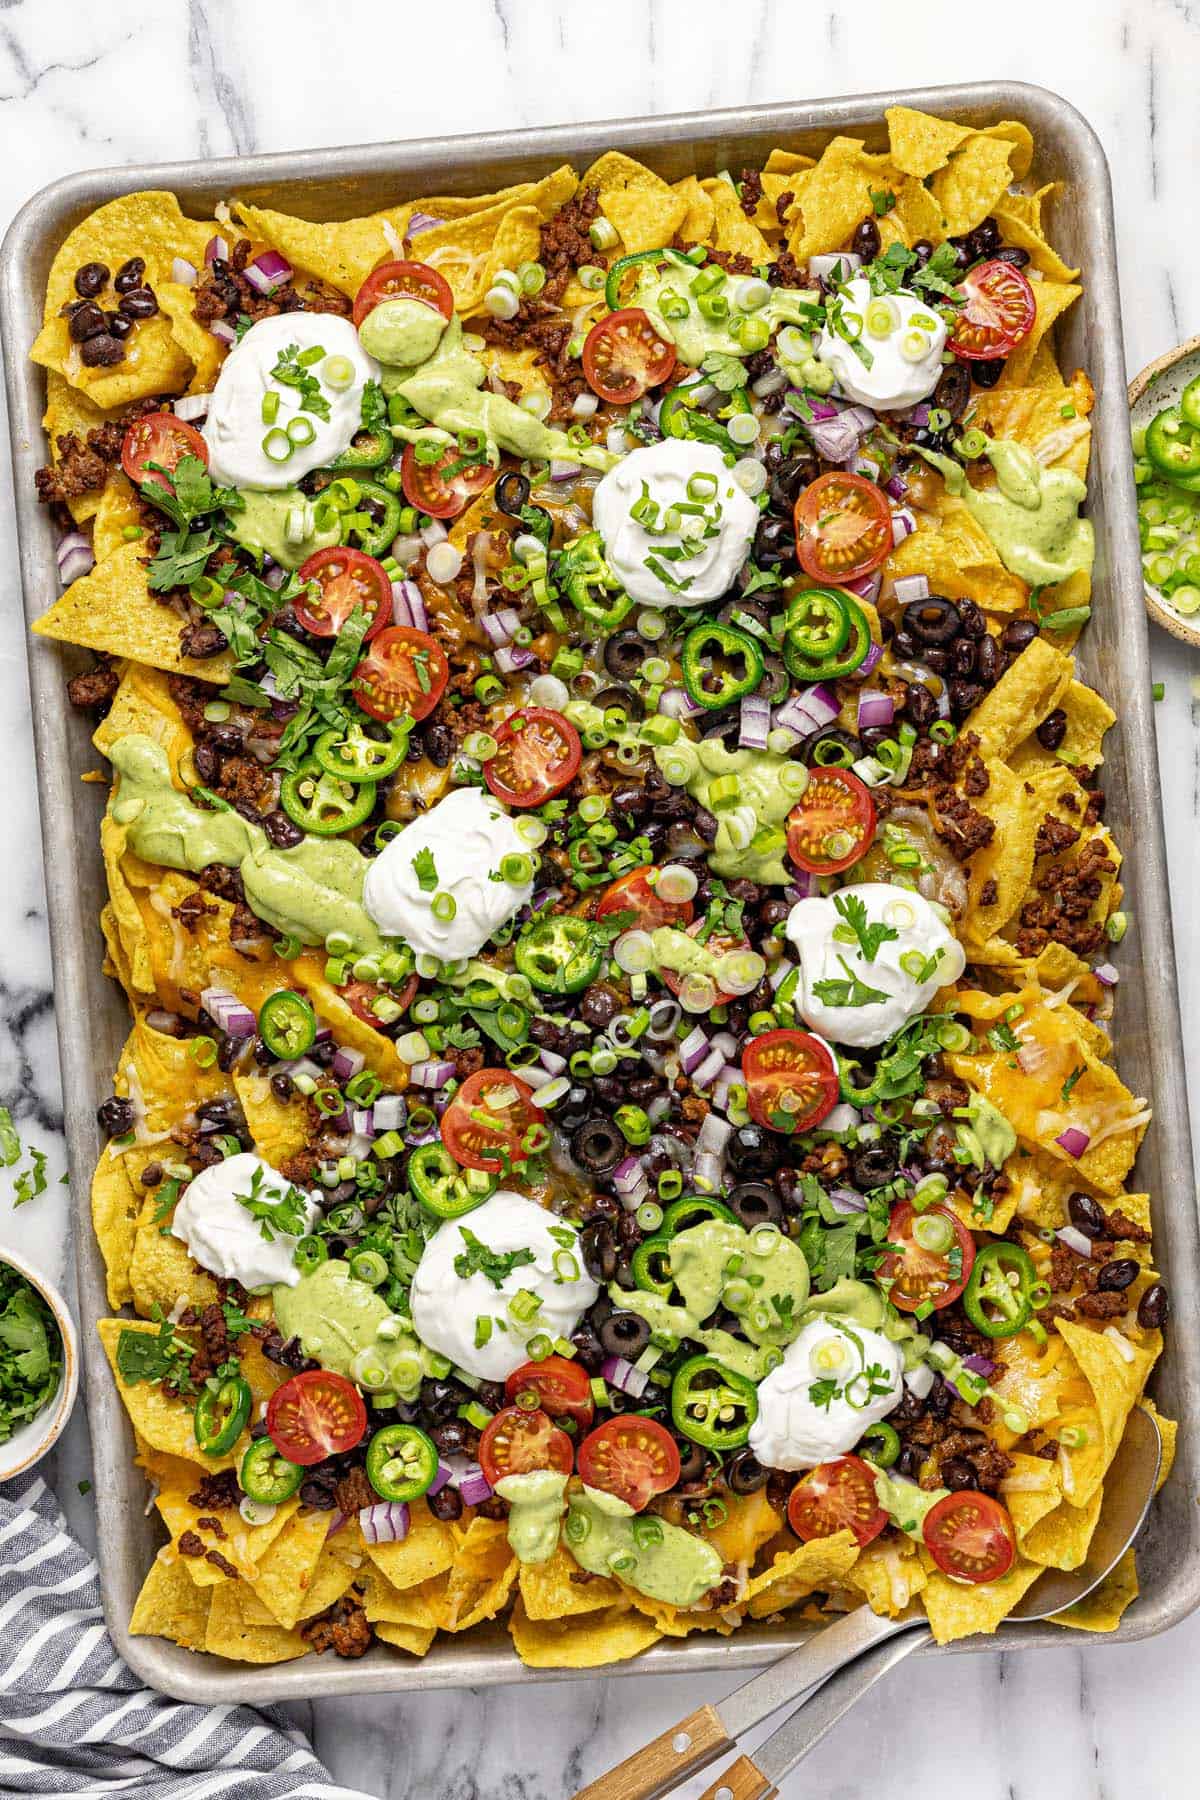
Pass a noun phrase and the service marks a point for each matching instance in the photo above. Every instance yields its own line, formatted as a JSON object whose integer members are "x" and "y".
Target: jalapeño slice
{"x": 999, "y": 1298}
{"x": 559, "y": 955}
{"x": 287, "y": 1024}
{"x": 401, "y": 1462}
{"x": 266, "y": 1476}
{"x": 711, "y": 1405}
{"x": 325, "y": 805}
{"x": 353, "y": 755}
{"x": 221, "y": 1415}
{"x": 442, "y": 1187}
{"x": 720, "y": 664}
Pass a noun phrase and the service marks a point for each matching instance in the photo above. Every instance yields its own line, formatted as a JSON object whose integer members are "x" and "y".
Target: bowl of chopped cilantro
{"x": 39, "y": 1364}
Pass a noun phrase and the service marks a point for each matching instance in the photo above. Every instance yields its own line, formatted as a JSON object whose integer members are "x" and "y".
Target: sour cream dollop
{"x": 457, "y": 846}
{"x": 714, "y": 542}
{"x": 224, "y": 1237}
{"x": 830, "y": 951}
{"x": 801, "y": 1424}
{"x": 900, "y": 333}
{"x": 249, "y": 450}
{"x": 447, "y": 1306}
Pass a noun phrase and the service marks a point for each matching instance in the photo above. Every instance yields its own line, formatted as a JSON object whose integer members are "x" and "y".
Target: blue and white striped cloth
{"x": 75, "y": 1720}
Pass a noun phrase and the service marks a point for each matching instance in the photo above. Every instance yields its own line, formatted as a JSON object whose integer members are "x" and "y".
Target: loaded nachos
{"x": 606, "y": 858}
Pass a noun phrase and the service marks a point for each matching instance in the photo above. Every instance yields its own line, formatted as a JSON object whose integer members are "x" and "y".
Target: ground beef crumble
{"x": 750, "y": 191}
{"x": 83, "y": 463}
{"x": 342, "y": 1627}
{"x": 225, "y": 293}
{"x": 216, "y": 1492}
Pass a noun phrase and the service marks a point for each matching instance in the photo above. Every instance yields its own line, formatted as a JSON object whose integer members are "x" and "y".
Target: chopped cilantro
{"x": 496, "y": 1265}
{"x": 1069, "y": 1083}
{"x": 162, "y": 1356}
{"x": 425, "y": 870}
{"x": 850, "y": 992}
{"x": 294, "y": 373}
{"x": 286, "y": 1212}
{"x": 30, "y": 1352}
{"x": 870, "y": 937}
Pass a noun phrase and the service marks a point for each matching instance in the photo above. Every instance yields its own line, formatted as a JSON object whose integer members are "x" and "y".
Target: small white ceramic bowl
{"x": 28, "y": 1445}
{"x": 1160, "y": 384}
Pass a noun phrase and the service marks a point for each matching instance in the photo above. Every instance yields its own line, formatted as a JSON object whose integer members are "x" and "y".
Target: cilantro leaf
{"x": 496, "y": 1265}
{"x": 31, "y": 1182}
{"x": 850, "y": 992}
{"x": 1002, "y": 1037}
{"x": 425, "y": 870}
{"x": 159, "y": 1357}
{"x": 853, "y": 910}
{"x": 180, "y": 559}
{"x": 1069, "y": 1083}
{"x": 187, "y": 492}
{"x": 291, "y": 372}
{"x": 286, "y": 1212}
{"x": 10, "y": 1143}
{"x": 727, "y": 373}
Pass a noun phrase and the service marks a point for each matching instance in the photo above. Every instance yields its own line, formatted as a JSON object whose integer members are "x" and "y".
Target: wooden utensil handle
{"x": 742, "y": 1780}
{"x": 680, "y": 1751}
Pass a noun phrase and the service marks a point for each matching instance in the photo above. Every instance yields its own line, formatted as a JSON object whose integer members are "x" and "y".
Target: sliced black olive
{"x": 953, "y": 391}
{"x": 873, "y": 1167}
{"x": 756, "y": 1204}
{"x": 933, "y": 620}
{"x": 753, "y": 1153}
{"x": 598, "y": 1146}
{"x": 624, "y": 653}
{"x": 634, "y": 705}
{"x": 819, "y": 749}
{"x": 512, "y": 493}
{"x": 625, "y": 1334}
{"x": 744, "y": 1473}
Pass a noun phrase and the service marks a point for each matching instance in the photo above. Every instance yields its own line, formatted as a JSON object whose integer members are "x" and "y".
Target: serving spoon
{"x": 845, "y": 1660}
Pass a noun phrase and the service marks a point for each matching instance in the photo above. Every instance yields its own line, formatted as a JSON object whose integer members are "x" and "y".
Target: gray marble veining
{"x": 82, "y": 86}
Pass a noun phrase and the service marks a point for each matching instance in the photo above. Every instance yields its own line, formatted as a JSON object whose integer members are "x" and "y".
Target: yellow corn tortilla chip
{"x": 482, "y": 1577}
{"x": 1019, "y": 217}
{"x": 279, "y": 1128}
{"x": 1030, "y": 688}
{"x": 558, "y": 1588}
{"x": 287, "y": 1571}
{"x": 1031, "y": 1491}
{"x": 678, "y": 1621}
{"x": 1168, "y": 1430}
{"x": 1062, "y": 1538}
{"x": 787, "y": 162}
{"x": 1104, "y": 1607}
{"x": 1034, "y": 417}
{"x": 835, "y": 194}
{"x": 920, "y": 143}
{"x": 1033, "y": 1379}
{"x": 428, "y": 1550}
{"x": 171, "y": 1605}
{"x": 888, "y": 1574}
{"x": 205, "y": 352}
{"x": 423, "y": 1606}
{"x": 330, "y": 1580}
{"x": 416, "y": 1639}
{"x": 70, "y": 413}
{"x": 732, "y": 230}
{"x": 1116, "y": 1376}
{"x": 750, "y": 1522}
{"x": 244, "y": 1546}
{"x": 606, "y": 1637}
{"x": 696, "y": 225}
{"x": 117, "y": 1201}
{"x": 960, "y": 560}
{"x": 229, "y": 1635}
{"x": 798, "y": 1573}
{"x": 1007, "y": 861}
{"x": 645, "y": 211}
{"x": 143, "y": 703}
{"x": 116, "y": 512}
{"x": 970, "y": 184}
{"x": 160, "y": 1269}
{"x": 467, "y": 250}
{"x": 957, "y": 1609}
{"x": 154, "y": 363}
{"x": 1052, "y": 299}
{"x": 165, "y": 1424}
{"x": 112, "y": 609}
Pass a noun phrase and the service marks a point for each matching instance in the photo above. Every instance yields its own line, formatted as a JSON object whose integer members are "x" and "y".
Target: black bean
{"x": 756, "y": 1204}
{"x": 283, "y": 1087}
{"x": 115, "y": 1116}
{"x": 962, "y": 656}
{"x": 772, "y": 913}
{"x": 446, "y": 1503}
{"x": 85, "y": 321}
{"x": 1153, "y": 1308}
{"x": 962, "y": 252}
{"x": 922, "y": 250}
{"x": 151, "y": 1175}
{"x": 588, "y": 1348}
{"x": 985, "y": 239}
{"x": 953, "y": 391}
{"x": 971, "y": 621}
{"x": 904, "y": 645}
{"x": 138, "y": 303}
{"x": 865, "y": 242}
{"x": 318, "y": 1494}
{"x": 1053, "y": 729}
{"x": 789, "y": 479}
{"x": 1117, "y": 1275}
{"x": 909, "y": 1461}
{"x": 964, "y": 697}
{"x": 1012, "y": 253}
{"x": 282, "y": 831}
{"x": 450, "y": 1436}
{"x": 1087, "y": 1215}
{"x": 91, "y": 279}
{"x": 600, "y": 1005}
{"x": 1019, "y": 633}
{"x": 693, "y": 1461}
{"x": 625, "y": 1334}
{"x": 129, "y": 275}
{"x": 101, "y": 352}
{"x": 989, "y": 664}
{"x": 118, "y": 325}
{"x": 774, "y": 543}
{"x": 958, "y": 1473}
{"x": 908, "y": 1409}
{"x": 987, "y": 374}
{"x": 920, "y": 707}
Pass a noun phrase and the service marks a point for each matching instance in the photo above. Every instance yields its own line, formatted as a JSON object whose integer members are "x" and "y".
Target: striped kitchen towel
{"x": 75, "y": 1720}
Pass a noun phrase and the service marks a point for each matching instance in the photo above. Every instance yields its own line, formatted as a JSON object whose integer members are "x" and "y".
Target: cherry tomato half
{"x": 631, "y": 1457}
{"x": 432, "y": 491}
{"x": 517, "y": 1441}
{"x": 159, "y": 438}
{"x": 634, "y": 893}
{"x": 344, "y": 579}
{"x": 719, "y": 943}
{"x": 832, "y": 823}
{"x": 556, "y": 1384}
{"x": 485, "y": 1124}
{"x": 970, "y": 1536}
{"x": 539, "y": 753}
{"x": 999, "y": 312}
{"x": 361, "y": 995}
{"x": 405, "y": 671}
{"x": 836, "y": 1496}
{"x": 926, "y": 1277}
{"x": 623, "y": 356}
{"x": 791, "y": 1080}
{"x": 843, "y": 527}
{"x": 416, "y": 279}
{"x": 315, "y": 1415}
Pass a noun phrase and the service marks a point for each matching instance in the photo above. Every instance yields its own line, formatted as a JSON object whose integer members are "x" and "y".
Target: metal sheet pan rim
{"x": 453, "y": 162}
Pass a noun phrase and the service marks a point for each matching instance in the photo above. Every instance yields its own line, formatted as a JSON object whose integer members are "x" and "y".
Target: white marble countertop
{"x": 83, "y": 86}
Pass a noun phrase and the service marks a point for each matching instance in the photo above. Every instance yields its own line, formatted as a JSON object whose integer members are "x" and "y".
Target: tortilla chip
{"x": 1088, "y": 719}
{"x": 798, "y": 1573}
{"x": 1052, "y": 299}
{"x": 244, "y": 1547}
{"x": 960, "y": 561}
{"x": 416, "y": 1639}
{"x": 888, "y": 1574}
{"x": 286, "y": 1582}
{"x": 1061, "y": 1540}
{"x": 678, "y": 1621}
{"x": 482, "y": 1577}
{"x": 116, "y": 513}
{"x": 732, "y": 231}
{"x": 143, "y": 703}
{"x": 171, "y": 1605}
{"x": 1033, "y": 1379}
{"x": 1104, "y": 1608}
{"x": 1115, "y": 1381}
{"x": 229, "y": 1635}
{"x": 279, "y": 1128}
{"x": 117, "y": 1200}
{"x": 1007, "y": 861}
{"x": 1031, "y": 1491}
{"x": 1168, "y": 1431}
{"x": 1030, "y": 687}
{"x": 330, "y": 1580}
{"x": 921, "y": 144}
{"x": 971, "y": 183}
{"x": 70, "y": 413}
{"x": 1034, "y": 417}
{"x": 160, "y": 1269}
{"x": 1019, "y": 217}
{"x": 749, "y": 1523}
{"x": 429, "y": 1548}
{"x": 423, "y": 1606}
{"x": 559, "y": 1589}
{"x": 205, "y": 352}
{"x": 607, "y": 1637}
{"x": 164, "y": 1423}
{"x": 644, "y": 210}
{"x": 957, "y": 1610}
{"x": 468, "y": 250}
{"x": 112, "y": 609}
{"x": 835, "y": 194}
{"x": 787, "y": 162}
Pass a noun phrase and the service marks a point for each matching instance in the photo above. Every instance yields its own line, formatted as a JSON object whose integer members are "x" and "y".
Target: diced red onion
{"x": 866, "y": 465}
{"x": 803, "y": 886}
{"x": 709, "y": 1069}
{"x": 627, "y": 1174}
{"x": 779, "y": 974}
{"x": 919, "y": 415}
{"x": 473, "y": 1486}
{"x": 725, "y": 1042}
{"x": 75, "y": 557}
{"x": 1073, "y": 1140}
{"x": 867, "y": 586}
{"x": 347, "y": 1063}
{"x": 836, "y": 439}
{"x": 183, "y": 272}
{"x": 622, "y": 1374}
{"x": 564, "y": 471}
{"x": 843, "y": 1117}
{"x": 980, "y": 1365}
{"x": 845, "y": 1200}
{"x": 875, "y": 708}
{"x": 919, "y": 1381}
{"x": 513, "y": 657}
{"x": 192, "y": 406}
{"x": 1107, "y": 973}
{"x": 228, "y": 1013}
{"x": 552, "y": 1062}
{"x": 221, "y": 328}
{"x": 389, "y": 1111}
{"x": 416, "y": 605}
{"x": 421, "y": 221}
{"x": 896, "y": 487}
{"x": 431, "y": 1074}
{"x": 268, "y": 272}
{"x": 501, "y": 627}
{"x": 675, "y": 703}
{"x": 693, "y": 1050}
{"x": 714, "y": 1134}
{"x": 444, "y": 1474}
{"x": 216, "y": 250}
{"x": 910, "y": 588}
{"x": 903, "y": 525}
{"x": 362, "y": 1122}
{"x": 1074, "y": 1240}
{"x": 754, "y": 722}
{"x": 336, "y": 1522}
{"x": 871, "y": 660}
{"x": 384, "y": 1523}
{"x": 401, "y": 611}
